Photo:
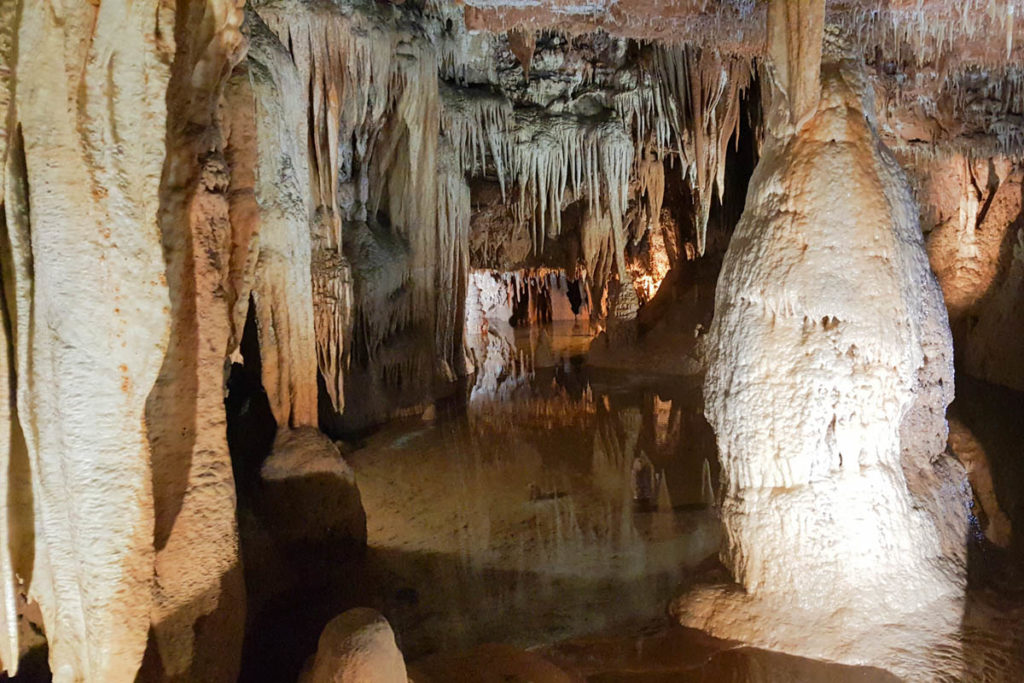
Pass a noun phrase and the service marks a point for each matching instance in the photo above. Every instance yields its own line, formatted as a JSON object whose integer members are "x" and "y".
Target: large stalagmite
{"x": 828, "y": 378}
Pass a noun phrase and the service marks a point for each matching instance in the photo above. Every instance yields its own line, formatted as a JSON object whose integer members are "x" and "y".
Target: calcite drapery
{"x": 86, "y": 310}
{"x": 198, "y": 608}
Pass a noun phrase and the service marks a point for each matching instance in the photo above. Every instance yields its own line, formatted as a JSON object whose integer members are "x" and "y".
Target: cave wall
{"x": 971, "y": 211}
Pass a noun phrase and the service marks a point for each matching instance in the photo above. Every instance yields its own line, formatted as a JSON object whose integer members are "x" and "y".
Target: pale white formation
{"x": 478, "y": 123}
{"x": 87, "y": 309}
{"x": 560, "y": 156}
{"x": 357, "y": 646}
{"x": 282, "y": 290}
{"x": 830, "y": 368}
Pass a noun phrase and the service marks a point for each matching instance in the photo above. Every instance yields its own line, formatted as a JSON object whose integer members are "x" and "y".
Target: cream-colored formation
{"x": 976, "y": 246}
{"x": 86, "y": 308}
{"x": 198, "y": 593}
{"x": 830, "y": 367}
{"x": 357, "y": 646}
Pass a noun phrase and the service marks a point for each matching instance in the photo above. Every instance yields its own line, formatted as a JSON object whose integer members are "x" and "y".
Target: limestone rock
{"x": 357, "y": 646}
{"x": 830, "y": 367}
{"x": 309, "y": 492}
{"x": 86, "y": 307}
{"x": 971, "y": 452}
{"x": 972, "y": 212}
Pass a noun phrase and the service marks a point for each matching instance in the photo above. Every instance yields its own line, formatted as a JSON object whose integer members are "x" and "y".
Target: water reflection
{"x": 561, "y": 503}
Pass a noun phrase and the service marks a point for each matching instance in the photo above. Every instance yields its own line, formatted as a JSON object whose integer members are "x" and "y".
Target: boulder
{"x": 358, "y": 646}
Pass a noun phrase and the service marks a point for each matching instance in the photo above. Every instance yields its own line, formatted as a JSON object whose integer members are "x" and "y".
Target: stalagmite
{"x": 86, "y": 308}
{"x": 827, "y": 396}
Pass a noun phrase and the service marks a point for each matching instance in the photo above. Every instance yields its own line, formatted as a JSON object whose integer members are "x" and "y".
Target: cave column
{"x": 86, "y": 310}
{"x": 828, "y": 376}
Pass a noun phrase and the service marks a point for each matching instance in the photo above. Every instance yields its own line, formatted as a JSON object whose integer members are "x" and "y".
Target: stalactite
{"x": 705, "y": 88}
{"x": 523, "y": 42}
{"x": 650, "y": 177}
{"x": 333, "y": 306}
{"x": 477, "y": 123}
{"x": 282, "y": 281}
{"x": 407, "y": 170}
{"x": 453, "y": 212}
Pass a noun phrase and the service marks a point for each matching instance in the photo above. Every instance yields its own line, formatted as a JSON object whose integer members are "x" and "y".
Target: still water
{"x": 561, "y": 501}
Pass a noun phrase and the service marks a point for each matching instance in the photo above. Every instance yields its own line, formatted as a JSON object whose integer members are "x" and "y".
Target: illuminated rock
{"x": 357, "y": 647}
{"x": 829, "y": 372}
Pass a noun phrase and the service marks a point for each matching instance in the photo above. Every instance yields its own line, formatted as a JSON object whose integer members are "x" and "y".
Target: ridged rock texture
{"x": 115, "y": 216}
{"x": 830, "y": 368}
{"x": 972, "y": 213}
{"x": 87, "y": 318}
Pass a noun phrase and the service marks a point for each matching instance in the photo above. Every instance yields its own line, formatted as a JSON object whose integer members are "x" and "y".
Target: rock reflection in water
{"x": 522, "y": 520}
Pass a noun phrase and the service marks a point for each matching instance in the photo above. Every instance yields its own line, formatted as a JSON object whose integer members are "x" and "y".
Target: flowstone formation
{"x": 830, "y": 368}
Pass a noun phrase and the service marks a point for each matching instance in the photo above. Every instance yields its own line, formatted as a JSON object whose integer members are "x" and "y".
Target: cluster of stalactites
{"x": 478, "y": 124}
{"x": 704, "y": 88}
{"x": 646, "y": 111}
{"x": 1002, "y": 94}
{"x": 532, "y": 284}
{"x": 554, "y": 156}
{"x": 936, "y": 32}
{"x": 374, "y": 115}
{"x": 349, "y": 65}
